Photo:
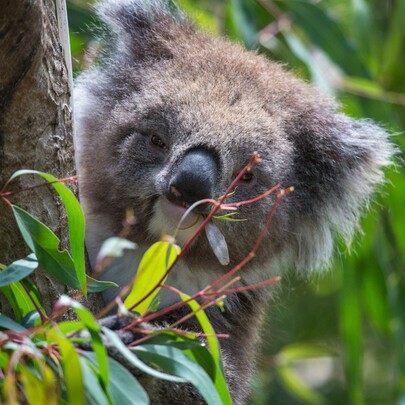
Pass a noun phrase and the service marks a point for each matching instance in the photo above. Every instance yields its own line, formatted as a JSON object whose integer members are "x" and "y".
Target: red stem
{"x": 9, "y": 193}
{"x": 245, "y": 288}
{"x": 259, "y": 240}
{"x": 255, "y": 158}
{"x": 43, "y": 317}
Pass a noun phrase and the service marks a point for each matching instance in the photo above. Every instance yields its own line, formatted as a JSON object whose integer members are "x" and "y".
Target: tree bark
{"x": 35, "y": 126}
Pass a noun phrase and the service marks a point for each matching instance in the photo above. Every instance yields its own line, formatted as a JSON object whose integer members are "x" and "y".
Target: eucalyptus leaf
{"x": 213, "y": 344}
{"x": 45, "y": 244}
{"x": 134, "y": 360}
{"x": 174, "y": 361}
{"x": 152, "y": 269}
{"x": 217, "y": 242}
{"x": 18, "y": 270}
{"x": 76, "y": 223}
{"x": 123, "y": 386}
{"x": 8, "y": 324}
{"x": 95, "y": 394}
{"x": 71, "y": 368}
{"x": 94, "y": 329}
{"x": 30, "y": 319}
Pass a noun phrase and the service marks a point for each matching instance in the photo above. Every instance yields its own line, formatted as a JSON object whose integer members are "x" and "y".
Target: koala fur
{"x": 163, "y": 89}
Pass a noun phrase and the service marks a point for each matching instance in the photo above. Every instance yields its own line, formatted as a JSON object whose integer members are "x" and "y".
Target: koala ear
{"x": 143, "y": 29}
{"x": 337, "y": 166}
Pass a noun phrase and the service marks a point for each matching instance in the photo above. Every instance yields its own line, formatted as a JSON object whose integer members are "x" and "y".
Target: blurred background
{"x": 338, "y": 338}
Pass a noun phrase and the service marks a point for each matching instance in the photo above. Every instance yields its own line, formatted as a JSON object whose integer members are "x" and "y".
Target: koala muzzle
{"x": 194, "y": 179}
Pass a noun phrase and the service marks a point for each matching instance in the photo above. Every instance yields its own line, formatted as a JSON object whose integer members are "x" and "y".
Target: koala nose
{"x": 194, "y": 179}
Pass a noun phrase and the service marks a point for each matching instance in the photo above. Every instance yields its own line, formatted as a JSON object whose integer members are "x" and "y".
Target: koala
{"x": 169, "y": 116}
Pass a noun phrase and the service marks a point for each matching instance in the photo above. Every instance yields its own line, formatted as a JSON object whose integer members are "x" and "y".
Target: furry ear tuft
{"x": 339, "y": 164}
{"x": 143, "y": 29}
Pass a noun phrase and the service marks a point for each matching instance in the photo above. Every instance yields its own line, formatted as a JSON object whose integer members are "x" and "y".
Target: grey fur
{"x": 161, "y": 75}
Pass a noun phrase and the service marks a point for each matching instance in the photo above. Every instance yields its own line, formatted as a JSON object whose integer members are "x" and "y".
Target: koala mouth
{"x": 175, "y": 212}
{"x": 166, "y": 217}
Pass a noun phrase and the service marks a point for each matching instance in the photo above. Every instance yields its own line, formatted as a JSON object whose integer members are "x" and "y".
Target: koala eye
{"x": 247, "y": 178}
{"x": 157, "y": 141}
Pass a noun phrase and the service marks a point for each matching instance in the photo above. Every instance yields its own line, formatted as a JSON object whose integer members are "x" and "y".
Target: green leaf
{"x": 19, "y": 299}
{"x": 229, "y": 217}
{"x": 94, "y": 329}
{"x": 39, "y": 390}
{"x": 154, "y": 264}
{"x": 300, "y": 351}
{"x": 204, "y": 19}
{"x": 123, "y": 386}
{"x": 174, "y": 361}
{"x": 300, "y": 50}
{"x": 31, "y": 319}
{"x": 94, "y": 392}
{"x": 206, "y": 326}
{"x": 45, "y": 244}
{"x": 244, "y": 20}
{"x": 71, "y": 368}
{"x": 68, "y": 327}
{"x": 192, "y": 347}
{"x": 363, "y": 28}
{"x": 394, "y": 44}
{"x": 18, "y": 270}
{"x": 351, "y": 333}
{"x": 324, "y": 32}
{"x": 213, "y": 344}
{"x": 132, "y": 359}
{"x": 8, "y": 324}
{"x": 297, "y": 388}
{"x": 76, "y": 223}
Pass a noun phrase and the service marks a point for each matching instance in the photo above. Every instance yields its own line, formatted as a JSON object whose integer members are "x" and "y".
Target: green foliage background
{"x": 338, "y": 338}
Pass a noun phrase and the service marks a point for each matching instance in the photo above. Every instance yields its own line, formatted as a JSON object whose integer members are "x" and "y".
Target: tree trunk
{"x": 35, "y": 125}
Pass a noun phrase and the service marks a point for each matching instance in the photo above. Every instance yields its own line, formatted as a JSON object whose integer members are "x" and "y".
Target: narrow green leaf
{"x": 363, "y": 28}
{"x": 8, "y": 324}
{"x": 71, "y": 369}
{"x": 323, "y": 31}
{"x": 18, "y": 270}
{"x": 300, "y": 50}
{"x": 213, "y": 344}
{"x": 94, "y": 392}
{"x": 297, "y": 388}
{"x": 45, "y": 244}
{"x": 76, "y": 223}
{"x": 68, "y": 327}
{"x": 20, "y": 298}
{"x": 123, "y": 386}
{"x": 133, "y": 359}
{"x": 94, "y": 329}
{"x": 206, "y": 326}
{"x": 394, "y": 44}
{"x": 154, "y": 264}
{"x": 192, "y": 347}
{"x": 300, "y": 351}
{"x": 9, "y": 387}
{"x": 244, "y": 19}
{"x": 30, "y": 319}
{"x": 351, "y": 333}
{"x": 39, "y": 391}
{"x": 174, "y": 361}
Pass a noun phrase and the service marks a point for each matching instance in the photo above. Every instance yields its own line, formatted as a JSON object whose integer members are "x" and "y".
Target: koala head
{"x": 171, "y": 114}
